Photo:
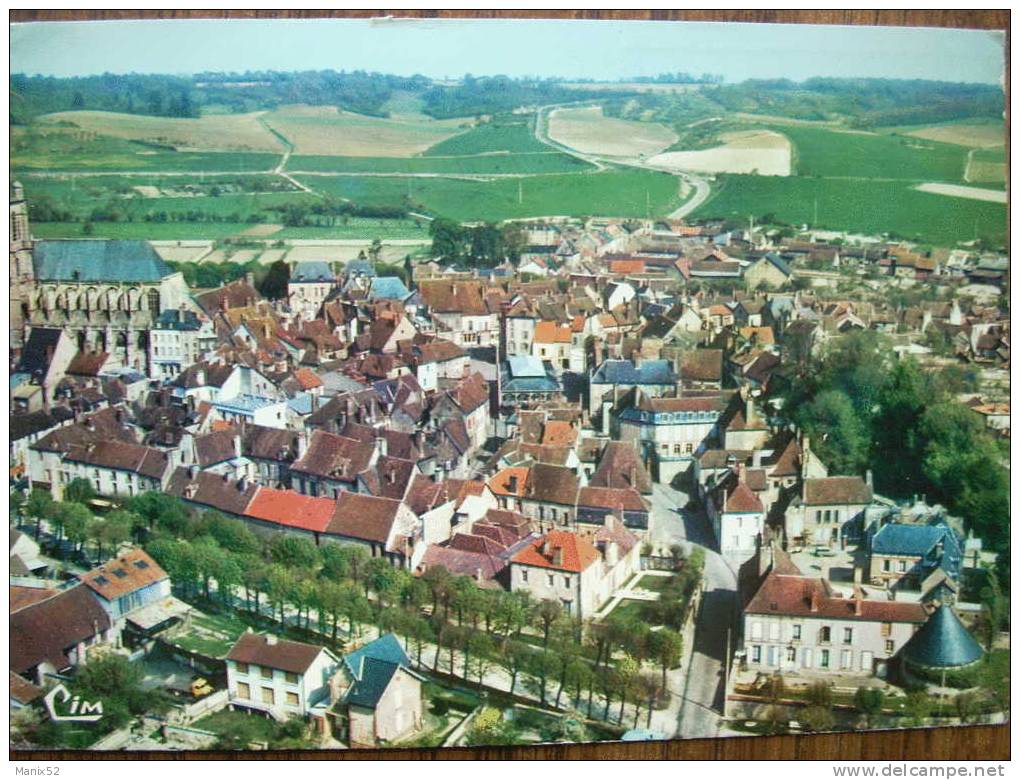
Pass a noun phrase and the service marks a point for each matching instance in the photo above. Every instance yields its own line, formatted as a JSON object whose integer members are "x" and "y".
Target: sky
{"x": 600, "y": 50}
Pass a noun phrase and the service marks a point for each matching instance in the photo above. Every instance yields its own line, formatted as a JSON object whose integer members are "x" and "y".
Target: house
{"x": 596, "y": 505}
{"x": 331, "y": 464}
{"x": 620, "y": 466}
{"x": 670, "y": 432}
{"x": 902, "y": 556}
{"x": 796, "y": 623}
{"x": 126, "y": 584}
{"x": 380, "y": 695}
{"x": 553, "y": 342}
{"x": 310, "y": 284}
{"x": 24, "y": 554}
{"x": 737, "y": 515}
{"x": 117, "y": 468}
{"x": 461, "y": 311}
{"x": 829, "y": 511}
{"x": 768, "y": 272}
{"x": 550, "y": 495}
{"x": 45, "y": 358}
{"x": 615, "y": 377}
{"x": 278, "y": 676}
{"x": 55, "y": 634}
{"x": 570, "y": 569}
{"x": 179, "y": 338}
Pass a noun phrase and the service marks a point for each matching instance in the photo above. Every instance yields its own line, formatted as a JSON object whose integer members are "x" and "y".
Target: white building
{"x": 277, "y": 675}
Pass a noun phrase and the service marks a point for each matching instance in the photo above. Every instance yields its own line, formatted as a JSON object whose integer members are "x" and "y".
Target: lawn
{"x": 211, "y": 635}
{"x": 630, "y": 609}
{"x": 546, "y": 161}
{"x": 858, "y": 206}
{"x": 516, "y": 138}
{"x": 653, "y": 583}
{"x": 612, "y": 193}
{"x": 226, "y": 721}
{"x": 822, "y": 152}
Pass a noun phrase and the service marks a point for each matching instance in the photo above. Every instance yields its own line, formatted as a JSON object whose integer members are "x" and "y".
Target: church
{"x": 105, "y": 294}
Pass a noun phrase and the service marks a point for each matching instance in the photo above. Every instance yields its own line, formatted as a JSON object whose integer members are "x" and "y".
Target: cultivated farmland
{"x": 964, "y": 134}
{"x": 751, "y": 151}
{"x": 492, "y": 163}
{"x": 589, "y": 131}
{"x": 858, "y": 206}
{"x": 824, "y": 152}
{"x": 327, "y": 131}
{"x": 215, "y": 132}
{"x": 627, "y": 193}
{"x": 957, "y": 191}
{"x": 516, "y": 138}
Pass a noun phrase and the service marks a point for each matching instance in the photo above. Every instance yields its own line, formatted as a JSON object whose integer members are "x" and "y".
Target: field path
{"x": 288, "y": 150}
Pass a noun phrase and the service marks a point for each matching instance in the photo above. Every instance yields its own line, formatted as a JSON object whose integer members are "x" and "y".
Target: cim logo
{"x": 79, "y": 709}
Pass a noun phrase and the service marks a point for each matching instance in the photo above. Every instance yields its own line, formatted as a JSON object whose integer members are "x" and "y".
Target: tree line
{"x": 483, "y": 246}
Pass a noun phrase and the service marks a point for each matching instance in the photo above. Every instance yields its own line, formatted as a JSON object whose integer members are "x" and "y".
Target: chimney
{"x": 381, "y": 444}
{"x": 546, "y": 547}
{"x": 756, "y": 459}
{"x": 814, "y": 600}
{"x": 805, "y": 457}
{"x": 237, "y": 445}
{"x": 750, "y": 408}
{"x": 512, "y": 483}
{"x": 302, "y": 444}
{"x": 612, "y": 553}
{"x": 632, "y": 475}
{"x": 858, "y": 605}
{"x": 270, "y": 639}
{"x": 858, "y": 575}
{"x": 868, "y": 479}
{"x": 557, "y": 556}
{"x": 478, "y": 574}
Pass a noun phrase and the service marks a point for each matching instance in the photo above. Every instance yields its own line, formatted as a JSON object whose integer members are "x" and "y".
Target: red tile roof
{"x": 307, "y": 378}
{"x": 359, "y": 516}
{"x": 499, "y": 483}
{"x": 290, "y": 509}
{"x": 129, "y": 573}
{"x": 740, "y": 498}
{"x": 836, "y": 490}
{"x": 551, "y": 333}
{"x": 560, "y": 550}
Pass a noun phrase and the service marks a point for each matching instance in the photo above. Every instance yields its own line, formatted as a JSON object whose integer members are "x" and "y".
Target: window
{"x": 866, "y": 657}
{"x": 756, "y": 654}
{"x": 676, "y": 449}
{"x": 846, "y": 659}
{"x": 689, "y": 448}
{"x": 566, "y": 582}
{"x": 825, "y": 635}
{"x": 886, "y": 565}
{"x": 890, "y": 646}
{"x": 551, "y": 580}
{"x": 818, "y": 516}
{"x": 791, "y": 655}
{"x": 267, "y": 673}
{"x": 244, "y": 691}
{"x": 796, "y": 631}
{"x": 886, "y": 629}
{"x": 291, "y": 678}
{"x": 823, "y": 662}
{"x": 774, "y": 631}
{"x": 756, "y": 630}
{"x": 848, "y": 636}
{"x": 292, "y": 699}
{"x": 903, "y": 566}
{"x": 241, "y": 668}
{"x": 268, "y": 697}
{"x": 524, "y": 575}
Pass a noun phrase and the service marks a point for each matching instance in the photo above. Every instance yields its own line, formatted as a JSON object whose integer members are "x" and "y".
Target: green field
{"x": 859, "y": 206}
{"x": 65, "y": 152}
{"x": 822, "y": 152}
{"x": 612, "y": 193}
{"x": 541, "y": 162}
{"x": 513, "y": 138}
{"x": 143, "y": 231}
{"x": 361, "y": 227}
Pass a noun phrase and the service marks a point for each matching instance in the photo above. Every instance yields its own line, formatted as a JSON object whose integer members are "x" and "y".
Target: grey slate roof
{"x": 312, "y": 271}
{"x": 624, "y": 372}
{"x": 942, "y": 643}
{"x": 98, "y": 260}
{"x": 372, "y": 667}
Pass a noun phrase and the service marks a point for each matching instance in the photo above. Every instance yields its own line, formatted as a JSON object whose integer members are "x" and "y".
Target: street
{"x": 703, "y": 692}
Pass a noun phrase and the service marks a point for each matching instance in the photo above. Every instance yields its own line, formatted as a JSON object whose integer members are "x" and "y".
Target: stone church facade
{"x": 106, "y": 295}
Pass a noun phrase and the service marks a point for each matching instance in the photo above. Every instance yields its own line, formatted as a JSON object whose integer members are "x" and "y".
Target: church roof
{"x": 98, "y": 260}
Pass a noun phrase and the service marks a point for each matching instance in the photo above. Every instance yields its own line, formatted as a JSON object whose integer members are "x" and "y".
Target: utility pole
{"x": 815, "y": 222}
{"x": 520, "y": 192}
